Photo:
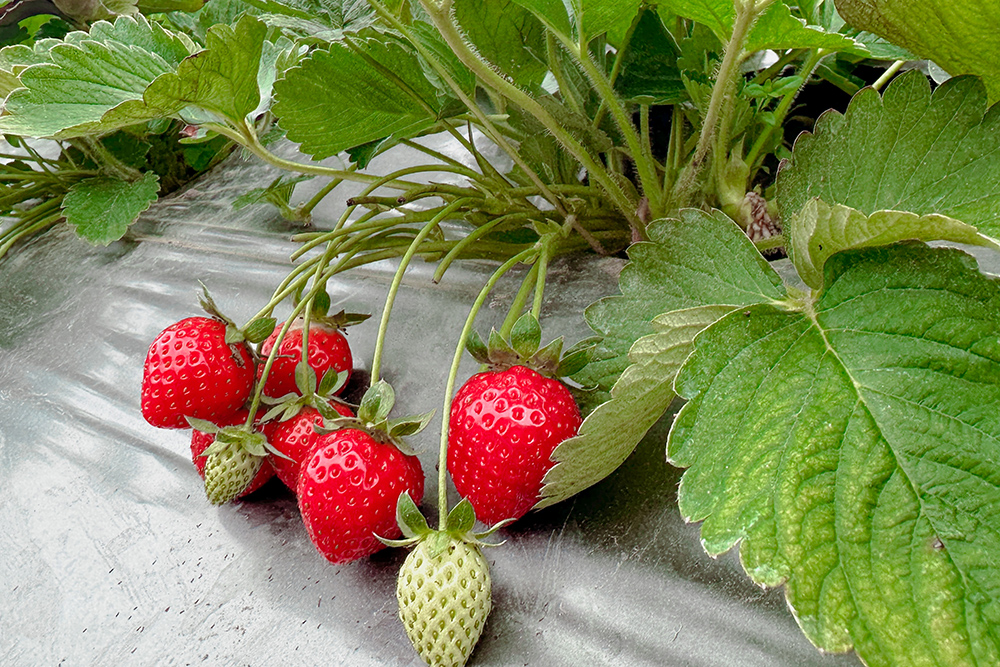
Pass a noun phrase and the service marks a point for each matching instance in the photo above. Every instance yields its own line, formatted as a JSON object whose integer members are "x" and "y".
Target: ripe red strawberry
{"x": 503, "y": 428}
{"x": 328, "y": 350}
{"x": 348, "y": 489}
{"x": 294, "y": 438}
{"x": 191, "y": 371}
{"x": 200, "y": 441}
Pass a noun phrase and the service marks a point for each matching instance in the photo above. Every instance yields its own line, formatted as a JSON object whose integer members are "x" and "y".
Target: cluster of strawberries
{"x": 348, "y": 469}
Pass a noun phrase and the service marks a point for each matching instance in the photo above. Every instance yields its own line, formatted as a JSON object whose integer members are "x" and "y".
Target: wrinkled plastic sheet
{"x": 111, "y": 555}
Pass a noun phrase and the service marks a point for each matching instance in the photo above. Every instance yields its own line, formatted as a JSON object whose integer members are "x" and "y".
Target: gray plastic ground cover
{"x": 112, "y": 556}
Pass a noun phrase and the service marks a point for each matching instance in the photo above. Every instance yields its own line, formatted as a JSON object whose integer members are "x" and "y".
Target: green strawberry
{"x": 232, "y": 460}
{"x": 444, "y": 598}
{"x": 443, "y": 588}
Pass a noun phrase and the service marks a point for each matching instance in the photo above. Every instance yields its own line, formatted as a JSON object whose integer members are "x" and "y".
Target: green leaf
{"x": 337, "y": 99}
{"x": 507, "y": 36}
{"x": 853, "y": 447}
{"x": 639, "y": 398}
{"x": 698, "y": 259}
{"x": 909, "y": 150}
{"x": 649, "y": 65}
{"x": 84, "y": 78}
{"x": 222, "y": 79}
{"x": 819, "y": 231}
{"x": 775, "y": 29}
{"x": 961, "y": 37}
{"x": 101, "y": 208}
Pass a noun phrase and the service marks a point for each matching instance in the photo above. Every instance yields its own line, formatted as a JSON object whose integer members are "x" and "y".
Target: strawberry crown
{"x": 319, "y": 395}
{"x": 523, "y": 349}
{"x": 461, "y": 519}
{"x": 373, "y": 418}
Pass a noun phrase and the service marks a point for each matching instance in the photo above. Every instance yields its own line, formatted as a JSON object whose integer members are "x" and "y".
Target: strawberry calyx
{"x": 237, "y": 441}
{"x": 254, "y": 332}
{"x": 523, "y": 348}
{"x": 320, "y": 396}
{"x": 459, "y": 525}
{"x": 373, "y": 418}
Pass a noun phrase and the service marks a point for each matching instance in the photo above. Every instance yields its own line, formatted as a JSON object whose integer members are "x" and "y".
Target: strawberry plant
{"x": 839, "y": 419}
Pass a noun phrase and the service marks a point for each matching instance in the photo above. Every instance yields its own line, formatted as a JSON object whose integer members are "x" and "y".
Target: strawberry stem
{"x": 397, "y": 280}
{"x": 522, "y": 257}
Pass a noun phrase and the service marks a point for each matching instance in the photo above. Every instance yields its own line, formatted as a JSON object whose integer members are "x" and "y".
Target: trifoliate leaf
{"x": 507, "y": 36}
{"x": 639, "y": 398}
{"x": 775, "y": 29}
{"x": 962, "y": 37}
{"x": 222, "y": 79}
{"x": 353, "y": 93}
{"x": 697, "y": 260}
{"x": 909, "y": 150}
{"x": 649, "y": 65}
{"x": 68, "y": 95}
{"x": 819, "y": 231}
{"x": 102, "y": 208}
{"x": 853, "y": 446}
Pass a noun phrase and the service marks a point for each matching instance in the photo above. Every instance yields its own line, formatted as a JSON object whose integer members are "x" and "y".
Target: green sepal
{"x": 501, "y": 353}
{"x": 546, "y": 360}
{"x": 327, "y": 411}
{"x": 526, "y": 335}
{"x": 305, "y": 378}
{"x": 321, "y": 304}
{"x": 409, "y": 517}
{"x": 461, "y": 518}
{"x": 477, "y": 537}
{"x": 256, "y": 444}
{"x": 400, "y": 428}
{"x": 576, "y": 358}
{"x": 202, "y": 425}
{"x": 477, "y": 348}
{"x": 344, "y": 319}
{"x": 258, "y": 330}
{"x": 332, "y": 382}
{"x": 337, "y": 423}
{"x": 437, "y": 543}
{"x": 376, "y": 403}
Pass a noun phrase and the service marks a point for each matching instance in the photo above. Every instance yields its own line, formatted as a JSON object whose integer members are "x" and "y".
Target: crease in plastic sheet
{"x": 112, "y": 555}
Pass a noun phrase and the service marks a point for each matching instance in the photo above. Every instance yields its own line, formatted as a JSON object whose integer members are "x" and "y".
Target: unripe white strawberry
{"x": 444, "y": 597}
{"x": 228, "y": 472}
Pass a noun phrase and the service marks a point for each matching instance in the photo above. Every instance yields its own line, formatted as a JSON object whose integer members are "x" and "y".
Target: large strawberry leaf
{"x": 777, "y": 28}
{"x": 697, "y": 260}
{"x": 640, "y": 397}
{"x": 692, "y": 271}
{"x": 818, "y": 231}
{"x": 101, "y": 208}
{"x": 507, "y": 36}
{"x": 962, "y": 37}
{"x": 80, "y": 78}
{"x": 357, "y": 91}
{"x": 222, "y": 79}
{"x": 851, "y": 442}
{"x": 909, "y": 150}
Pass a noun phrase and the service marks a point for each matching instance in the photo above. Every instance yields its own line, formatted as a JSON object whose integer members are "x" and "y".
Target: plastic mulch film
{"x": 111, "y": 555}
